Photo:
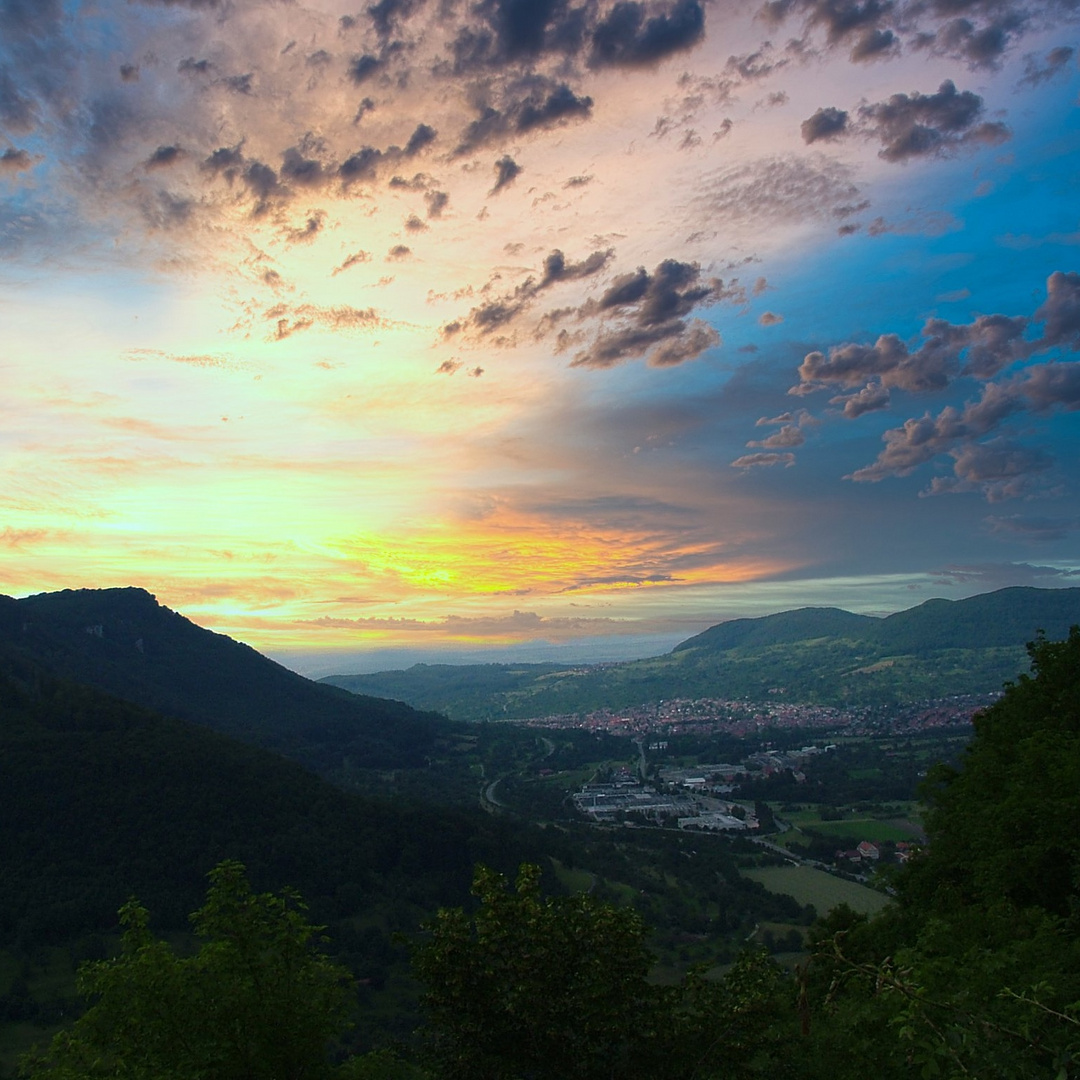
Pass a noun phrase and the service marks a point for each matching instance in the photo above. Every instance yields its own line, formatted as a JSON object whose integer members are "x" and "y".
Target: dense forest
{"x": 972, "y": 970}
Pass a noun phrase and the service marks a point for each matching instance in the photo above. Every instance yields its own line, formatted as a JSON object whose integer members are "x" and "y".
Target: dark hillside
{"x": 102, "y": 799}
{"x": 784, "y": 628}
{"x": 124, "y": 642}
{"x": 993, "y": 620}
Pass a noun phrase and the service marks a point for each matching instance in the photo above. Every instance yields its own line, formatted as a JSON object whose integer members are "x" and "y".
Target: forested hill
{"x": 102, "y": 798}
{"x": 1007, "y": 617}
{"x": 814, "y": 655}
{"x": 124, "y": 642}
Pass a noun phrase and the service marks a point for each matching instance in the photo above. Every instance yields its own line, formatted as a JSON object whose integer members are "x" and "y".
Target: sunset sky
{"x": 558, "y": 327}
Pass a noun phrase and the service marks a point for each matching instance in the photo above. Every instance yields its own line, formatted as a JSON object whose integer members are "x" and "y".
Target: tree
{"x": 257, "y": 1001}
{"x": 1003, "y": 828}
{"x": 976, "y": 970}
{"x": 556, "y": 988}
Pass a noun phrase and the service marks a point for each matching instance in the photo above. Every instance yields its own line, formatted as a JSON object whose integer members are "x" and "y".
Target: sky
{"x": 536, "y": 328}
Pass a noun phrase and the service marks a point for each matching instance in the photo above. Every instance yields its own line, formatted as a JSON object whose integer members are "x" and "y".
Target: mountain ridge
{"x": 122, "y": 641}
{"x": 824, "y": 656}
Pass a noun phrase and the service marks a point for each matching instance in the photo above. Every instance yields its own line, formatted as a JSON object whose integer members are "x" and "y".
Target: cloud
{"x": 502, "y": 310}
{"x": 984, "y": 459}
{"x": 763, "y": 461}
{"x": 826, "y": 124}
{"x": 920, "y": 125}
{"x": 1035, "y": 529}
{"x": 871, "y": 398}
{"x": 521, "y": 33}
{"x": 352, "y": 260}
{"x": 770, "y": 318}
{"x": 309, "y": 230}
{"x": 163, "y": 157}
{"x": 1055, "y": 61}
{"x": 507, "y": 170}
{"x": 290, "y": 319}
{"x": 788, "y": 437}
{"x": 650, "y": 310}
{"x": 630, "y": 37}
{"x": 437, "y": 202}
{"x": 13, "y": 160}
{"x": 778, "y": 189}
{"x": 1061, "y": 311}
{"x": 999, "y": 468}
{"x": 987, "y": 345}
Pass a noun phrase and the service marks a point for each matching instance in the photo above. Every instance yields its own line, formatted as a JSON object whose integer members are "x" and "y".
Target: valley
{"x": 724, "y": 820}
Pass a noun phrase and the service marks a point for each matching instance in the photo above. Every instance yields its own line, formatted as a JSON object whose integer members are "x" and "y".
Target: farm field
{"x": 824, "y": 891}
{"x": 866, "y": 829}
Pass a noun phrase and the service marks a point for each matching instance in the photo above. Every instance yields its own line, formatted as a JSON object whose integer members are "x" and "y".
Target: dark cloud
{"x": 502, "y": 310}
{"x": 827, "y": 123}
{"x": 1036, "y": 72}
{"x": 300, "y": 170}
{"x": 557, "y": 268}
{"x": 677, "y": 342}
{"x": 262, "y": 181}
{"x": 1061, "y": 311}
{"x": 999, "y": 468}
{"x": 923, "y": 439}
{"x": 13, "y": 160}
{"x": 507, "y": 170}
{"x": 163, "y": 157}
{"x": 874, "y": 44}
{"x": 651, "y": 309}
{"x": 419, "y": 182}
{"x": 363, "y": 67}
{"x": 437, "y": 202}
{"x": 987, "y": 346}
{"x": 978, "y": 46}
{"x": 387, "y": 15}
{"x": 239, "y": 84}
{"x": 560, "y": 105}
{"x": 630, "y": 36}
{"x": 526, "y": 105}
{"x": 129, "y": 73}
{"x": 522, "y": 32}
{"x": 226, "y": 161}
{"x": 841, "y": 20}
{"x": 414, "y": 224}
{"x": 398, "y": 252}
{"x": 421, "y": 137}
{"x": 920, "y": 125}
{"x": 363, "y": 165}
{"x": 671, "y": 291}
{"x": 191, "y": 66}
{"x": 1052, "y": 384}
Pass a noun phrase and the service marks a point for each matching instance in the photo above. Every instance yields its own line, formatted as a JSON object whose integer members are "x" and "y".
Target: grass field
{"x": 824, "y": 891}
{"x": 865, "y": 829}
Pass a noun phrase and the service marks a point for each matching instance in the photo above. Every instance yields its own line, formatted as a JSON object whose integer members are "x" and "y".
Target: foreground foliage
{"x": 976, "y": 970}
{"x": 556, "y": 988}
{"x": 258, "y": 1000}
